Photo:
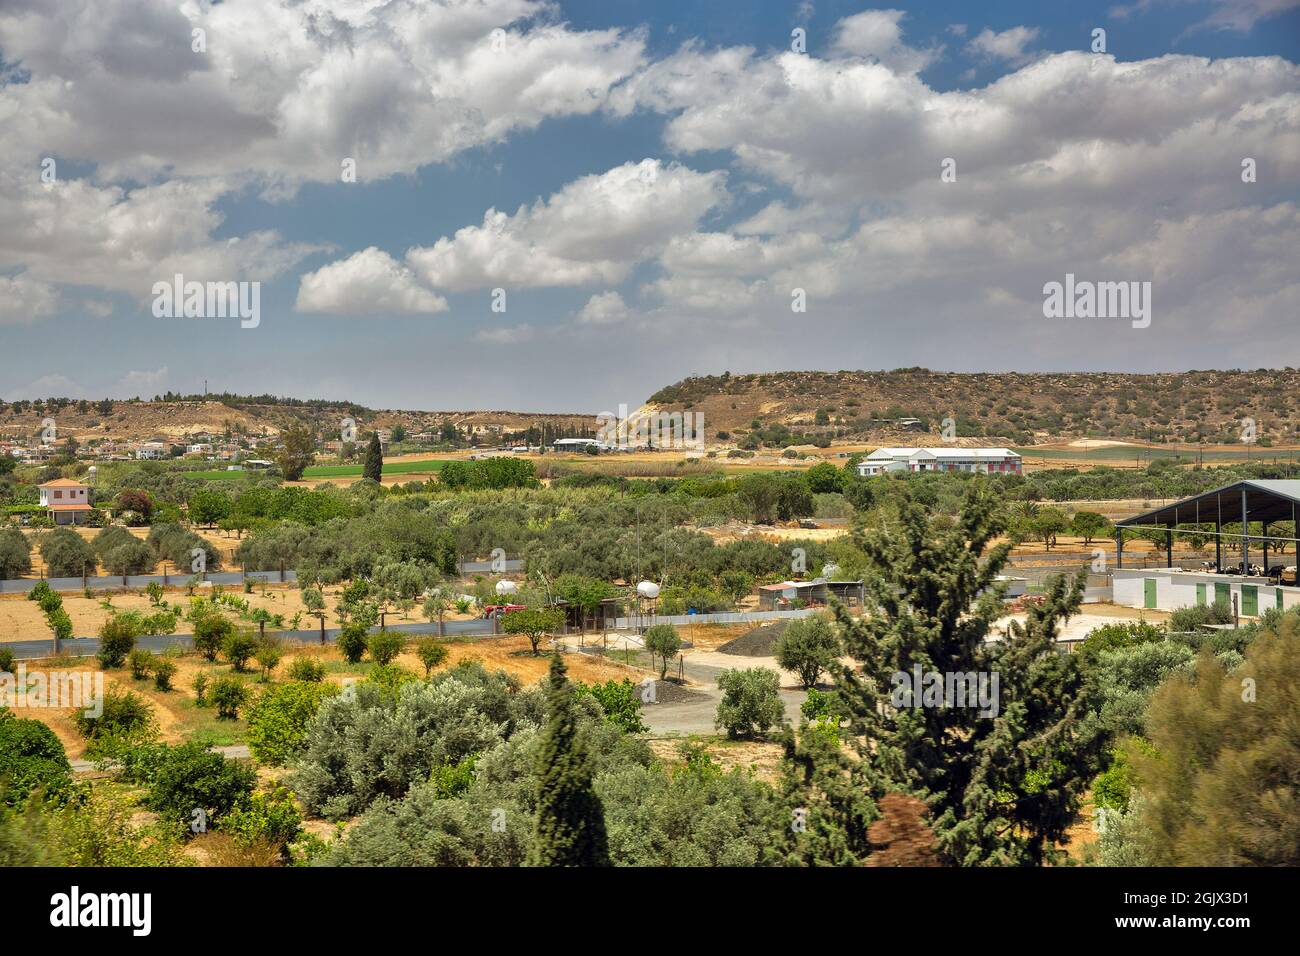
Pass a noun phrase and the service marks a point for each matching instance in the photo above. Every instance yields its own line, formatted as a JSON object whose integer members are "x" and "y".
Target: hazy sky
{"x": 647, "y": 182}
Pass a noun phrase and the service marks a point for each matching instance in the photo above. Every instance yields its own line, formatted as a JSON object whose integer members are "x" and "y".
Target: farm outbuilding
{"x": 787, "y": 594}
{"x": 1251, "y": 569}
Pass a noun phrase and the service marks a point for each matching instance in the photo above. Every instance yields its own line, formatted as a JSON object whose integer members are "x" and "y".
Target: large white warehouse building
{"x": 984, "y": 460}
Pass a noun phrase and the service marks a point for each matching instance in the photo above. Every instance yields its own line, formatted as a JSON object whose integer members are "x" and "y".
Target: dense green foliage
{"x": 1003, "y": 779}
{"x": 570, "y": 823}
{"x": 1220, "y": 782}
{"x": 278, "y": 720}
{"x": 751, "y": 701}
{"x": 31, "y": 758}
{"x": 66, "y": 554}
{"x": 808, "y": 646}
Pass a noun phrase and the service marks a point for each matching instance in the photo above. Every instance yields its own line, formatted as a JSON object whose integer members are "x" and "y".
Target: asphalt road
{"x": 89, "y": 646}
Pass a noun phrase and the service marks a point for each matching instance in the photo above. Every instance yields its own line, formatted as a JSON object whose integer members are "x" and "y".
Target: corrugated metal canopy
{"x": 1265, "y": 501}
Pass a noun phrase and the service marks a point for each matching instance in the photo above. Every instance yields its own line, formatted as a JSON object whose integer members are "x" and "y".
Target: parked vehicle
{"x": 496, "y": 610}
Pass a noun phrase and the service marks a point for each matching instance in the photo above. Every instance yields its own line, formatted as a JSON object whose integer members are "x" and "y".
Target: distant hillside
{"x": 1020, "y": 407}
{"x": 174, "y": 417}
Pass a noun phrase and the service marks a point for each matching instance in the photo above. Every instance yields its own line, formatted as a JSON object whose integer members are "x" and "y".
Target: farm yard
{"x": 636, "y": 606}
{"x": 378, "y": 653}
{"x": 565, "y": 449}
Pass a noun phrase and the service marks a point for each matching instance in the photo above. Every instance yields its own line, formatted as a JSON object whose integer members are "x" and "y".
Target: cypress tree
{"x": 1003, "y": 783}
{"x": 570, "y": 827}
{"x": 374, "y": 466}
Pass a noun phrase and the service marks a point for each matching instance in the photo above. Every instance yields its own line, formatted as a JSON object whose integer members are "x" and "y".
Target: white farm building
{"x": 983, "y": 460}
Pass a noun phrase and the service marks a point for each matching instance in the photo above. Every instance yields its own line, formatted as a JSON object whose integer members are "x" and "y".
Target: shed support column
{"x": 1119, "y": 548}
{"x": 1218, "y": 548}
{"x": 1169, "y": 546}
{"x": 1245, "y": 536}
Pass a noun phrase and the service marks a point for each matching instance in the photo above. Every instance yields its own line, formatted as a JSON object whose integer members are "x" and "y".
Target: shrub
{"x": 264, "y": 817}
{"x": 201, "y": 689}
{"x": 192, "y": 778}
{"x": 15, "y": 554}
{"x": 50, "y": 601}
{"x": 533, "y": 622}
{"x": 808, "y": 647}
{"x": 278, "y": 721}
{"x": 306, "y": 670}
{"x": 103, "y": 830}
{"x": 662, "y": 639}
{"x": 620, "y": 701}
{"x": 6, "y": 661}
{"x": 155, "y": 592}
{"x": 126, "y": 717}
{"x": 137, "y": 503}
{"x": 1123, "y": 679}
{"x": 211, "y": 631}
{"x": 229, "y": 694}
{"x": 163, "y": 622}
{"x": 269, "y": 654}
{"x": 238, "y": 648}
{"x": 431, "y": 652}
{"x": 818, "y": 705}
{"x": 117, "y": 639}
{"x": 40, "y": 592}
{"x": 67, "y": 554}
{"x": 1219, "y": 779}
{"x": 352, "y": 641}
{"x": 163, "y": 672}
{"x": 142, "y": 662}
{"x": 133, "y": 557}
{"x": 389, "y": 677}
{"x": 59, "y": 623}
{"x": 751, "y": 702}
{"x": 31, "y": 758}
{"x": 1108, "y": 637}
{"x": 384, "y": 646}
{"x": 349, "y": 759}
{"x": 1191, "y": 618}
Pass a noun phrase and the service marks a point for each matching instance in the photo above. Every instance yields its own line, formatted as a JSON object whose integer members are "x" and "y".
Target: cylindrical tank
{"x": 648, "y": 589}
{"x": 507, "y": 587}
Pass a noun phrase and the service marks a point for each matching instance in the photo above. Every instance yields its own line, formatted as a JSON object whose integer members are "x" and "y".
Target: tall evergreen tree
{"x": 374, "y": 466}
{"x": 570, "y": 827}
{"x": 1003, "y": 783}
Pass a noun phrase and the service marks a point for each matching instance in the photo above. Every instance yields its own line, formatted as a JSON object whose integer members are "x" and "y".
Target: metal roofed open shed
{"x": 1242, "y": 502}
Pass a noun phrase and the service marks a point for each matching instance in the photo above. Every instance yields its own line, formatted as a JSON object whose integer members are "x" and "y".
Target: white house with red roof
{"x": 68, "y": 501}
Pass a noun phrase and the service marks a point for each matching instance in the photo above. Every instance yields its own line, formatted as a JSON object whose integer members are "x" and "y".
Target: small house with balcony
{"x": 68, "y": 501}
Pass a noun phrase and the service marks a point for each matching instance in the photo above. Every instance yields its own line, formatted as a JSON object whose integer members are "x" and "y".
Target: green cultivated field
{"x": 1129, "y": 454}
{"x": 329, "y": 471}
{"x": 390, "y": 468}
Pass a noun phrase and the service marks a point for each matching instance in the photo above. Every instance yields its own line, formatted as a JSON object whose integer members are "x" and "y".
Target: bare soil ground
{"x": 761, "y": 758}
{"x": 180, "y": 718}
{"x": 22, "y": 620}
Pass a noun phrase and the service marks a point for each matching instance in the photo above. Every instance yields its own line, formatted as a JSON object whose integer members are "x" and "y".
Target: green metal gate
{"x": 1250, "y": 600}
{"x": 1149, "y": 592}
{"x": 1200, "y": 595}
{"x": 1222, "y": 593}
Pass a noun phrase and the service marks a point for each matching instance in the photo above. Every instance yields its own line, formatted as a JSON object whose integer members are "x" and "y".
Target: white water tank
{"x": 647, "y": 589}
{"x": 507, "y": 587}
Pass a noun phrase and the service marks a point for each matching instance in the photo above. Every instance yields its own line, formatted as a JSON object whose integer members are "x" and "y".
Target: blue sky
{"x": 666, "y": 173}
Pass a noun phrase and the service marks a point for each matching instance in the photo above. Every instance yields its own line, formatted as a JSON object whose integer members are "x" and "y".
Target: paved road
{"x": 175, "y": 579}
{"x": 89, "y": 646}
{"x": 701, "y": 668}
